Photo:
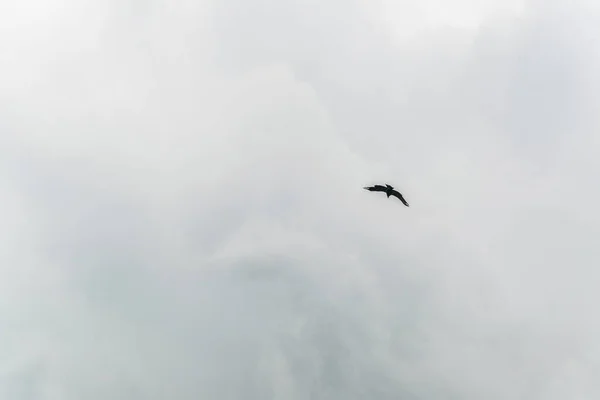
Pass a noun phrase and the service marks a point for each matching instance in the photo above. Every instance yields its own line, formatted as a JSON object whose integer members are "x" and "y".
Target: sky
{"x": 183, "y": 213}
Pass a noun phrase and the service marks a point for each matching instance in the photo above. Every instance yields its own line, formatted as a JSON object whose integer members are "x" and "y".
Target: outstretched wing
{"x": 398, "y": 195}
{"x": 376, "y": 188}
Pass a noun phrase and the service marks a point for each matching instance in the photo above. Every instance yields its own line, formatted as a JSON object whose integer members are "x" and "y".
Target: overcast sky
{"x": 183, "y": 216}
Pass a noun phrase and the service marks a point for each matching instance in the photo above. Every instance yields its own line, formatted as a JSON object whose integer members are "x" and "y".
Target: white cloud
{"x": 184, "y": 216}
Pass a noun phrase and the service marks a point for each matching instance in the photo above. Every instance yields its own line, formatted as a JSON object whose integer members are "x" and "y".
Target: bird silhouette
{"x": 388, "y": 190}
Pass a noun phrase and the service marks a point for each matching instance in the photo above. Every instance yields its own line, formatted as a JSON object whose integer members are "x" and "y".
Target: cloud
{"x": 184, "y": 215}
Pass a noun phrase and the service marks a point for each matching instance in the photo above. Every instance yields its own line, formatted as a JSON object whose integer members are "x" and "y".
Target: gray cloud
{"x": 183, "y": 213}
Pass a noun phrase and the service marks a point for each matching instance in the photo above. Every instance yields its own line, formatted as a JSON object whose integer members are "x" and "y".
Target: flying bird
{"x": 387, "y": 189}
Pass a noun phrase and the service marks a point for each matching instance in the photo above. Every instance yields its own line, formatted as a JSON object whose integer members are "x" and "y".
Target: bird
{"x": 387, "y": 189}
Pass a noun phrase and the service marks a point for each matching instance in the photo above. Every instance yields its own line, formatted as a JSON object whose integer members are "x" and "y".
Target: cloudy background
{"x": 182, "y": 213}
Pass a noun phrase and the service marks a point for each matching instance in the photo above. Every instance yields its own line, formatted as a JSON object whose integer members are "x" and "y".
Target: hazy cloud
{"x": 183, "y": 213}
